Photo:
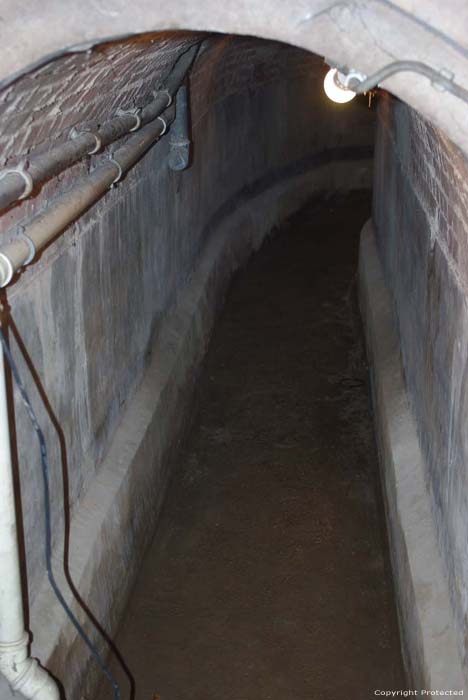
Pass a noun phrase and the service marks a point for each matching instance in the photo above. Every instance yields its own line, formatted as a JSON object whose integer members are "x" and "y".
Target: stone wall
{"x": 421, "y": 219}
{"x": 111, "y": 302}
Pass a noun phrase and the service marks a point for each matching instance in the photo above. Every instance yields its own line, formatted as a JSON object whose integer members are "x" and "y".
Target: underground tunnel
{"x": 234, "y": 297}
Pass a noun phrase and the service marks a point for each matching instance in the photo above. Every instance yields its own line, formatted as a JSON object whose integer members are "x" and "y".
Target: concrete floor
{"x": 269, "y": 576}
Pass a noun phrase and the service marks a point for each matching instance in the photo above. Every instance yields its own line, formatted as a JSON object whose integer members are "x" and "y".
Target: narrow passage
{"x": 269, "y": 574}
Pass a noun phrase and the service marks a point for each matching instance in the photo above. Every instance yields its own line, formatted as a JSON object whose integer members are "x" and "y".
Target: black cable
{"x": 437, "y": 78}
{"x": 47, "y": 521}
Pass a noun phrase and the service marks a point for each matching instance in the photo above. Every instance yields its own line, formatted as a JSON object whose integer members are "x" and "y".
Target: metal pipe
{"x": 179, "y": 139}
{"x": 44, "y": 227}
{"x": 21, "y": 671}
{"x": 19, "y": 182}
{"x": 444, "y": 81}
{"x": 24, "y": 673}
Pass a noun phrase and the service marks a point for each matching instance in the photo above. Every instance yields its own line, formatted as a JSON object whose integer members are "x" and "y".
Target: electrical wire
{"x": 47, "y": 522}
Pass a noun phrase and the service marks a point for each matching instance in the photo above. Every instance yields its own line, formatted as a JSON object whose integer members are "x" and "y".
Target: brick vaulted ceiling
{"x": 363, "y": 35}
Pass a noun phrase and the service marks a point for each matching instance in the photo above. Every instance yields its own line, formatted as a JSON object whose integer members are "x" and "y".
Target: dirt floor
{"x": 269, "y": 577}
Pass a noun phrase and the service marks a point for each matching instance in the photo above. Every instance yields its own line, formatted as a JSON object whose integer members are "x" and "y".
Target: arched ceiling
{"x": 361, "y": 34}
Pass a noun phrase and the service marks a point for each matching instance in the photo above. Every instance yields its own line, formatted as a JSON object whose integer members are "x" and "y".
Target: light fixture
{"x": 334, "y": 89}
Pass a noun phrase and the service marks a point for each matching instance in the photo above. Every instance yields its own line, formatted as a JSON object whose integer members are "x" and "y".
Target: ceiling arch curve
{"x": 362, "y": 34}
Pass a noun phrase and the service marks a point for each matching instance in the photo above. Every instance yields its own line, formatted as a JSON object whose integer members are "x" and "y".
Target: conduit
{"x": 20, "y": 182}
{"x": 24, "y": 673}
{"x": 44, "y": 227}
{"x": 443, "y": 81}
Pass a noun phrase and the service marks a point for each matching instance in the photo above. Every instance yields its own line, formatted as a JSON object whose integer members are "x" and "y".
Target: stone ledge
{"x": 427, "y": 629}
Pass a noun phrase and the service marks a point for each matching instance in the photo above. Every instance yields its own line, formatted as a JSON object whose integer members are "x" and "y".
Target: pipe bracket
{"x": 349, "y": 78}
{"x": 448, "y": 75}
{"x": 74, "y": 134}
{"x": 164, "y": 123}
{"x": 134, "y": 112}
{"x": 6, "y": 275}
{"x": 27, "y": 178}
{"x": 30, "y": 243}
{"x": 120, "y": 173}
{"x": 164, "y": 92}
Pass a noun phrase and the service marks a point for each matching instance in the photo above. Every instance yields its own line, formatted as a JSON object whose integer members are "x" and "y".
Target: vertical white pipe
{"x": 22, "y": 672}
{"x": 11, "y": 604}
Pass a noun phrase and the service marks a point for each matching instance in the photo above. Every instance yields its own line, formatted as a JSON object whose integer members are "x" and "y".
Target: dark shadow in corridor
{"x": 269, "y": 576}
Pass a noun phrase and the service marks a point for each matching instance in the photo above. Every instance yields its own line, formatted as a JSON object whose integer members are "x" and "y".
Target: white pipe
{"x": 22, "y": 672}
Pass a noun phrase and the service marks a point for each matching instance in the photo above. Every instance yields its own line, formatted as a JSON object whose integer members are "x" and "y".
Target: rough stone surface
{"x": 421, "y": 219}
{"x": 97, "y": 309}
{"x": 429, "y": 636}
{"x": 268, "y": 576}
{"x": 83, "y": 90}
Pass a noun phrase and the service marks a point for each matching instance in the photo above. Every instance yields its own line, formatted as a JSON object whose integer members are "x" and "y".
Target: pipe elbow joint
{"x": 25, "y": 675}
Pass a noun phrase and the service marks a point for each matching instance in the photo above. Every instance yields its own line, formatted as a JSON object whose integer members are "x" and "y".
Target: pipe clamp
{"x": 6, "y": 275}
{"x": 134, "y": 112}
{"x": 30, "y": 243}
{"x": 164, "y": 123}
{"x": 120, "y": 174}
{"x": 74, "y": 134}
{"x": 350, "y": 79}
{"x": 27, "y": 178}
{"x": 448, "y": 75}
{"x": 164, "y": 92}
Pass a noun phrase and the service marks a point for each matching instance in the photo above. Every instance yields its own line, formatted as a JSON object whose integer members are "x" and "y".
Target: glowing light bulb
{"x": 333, "y": 89}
